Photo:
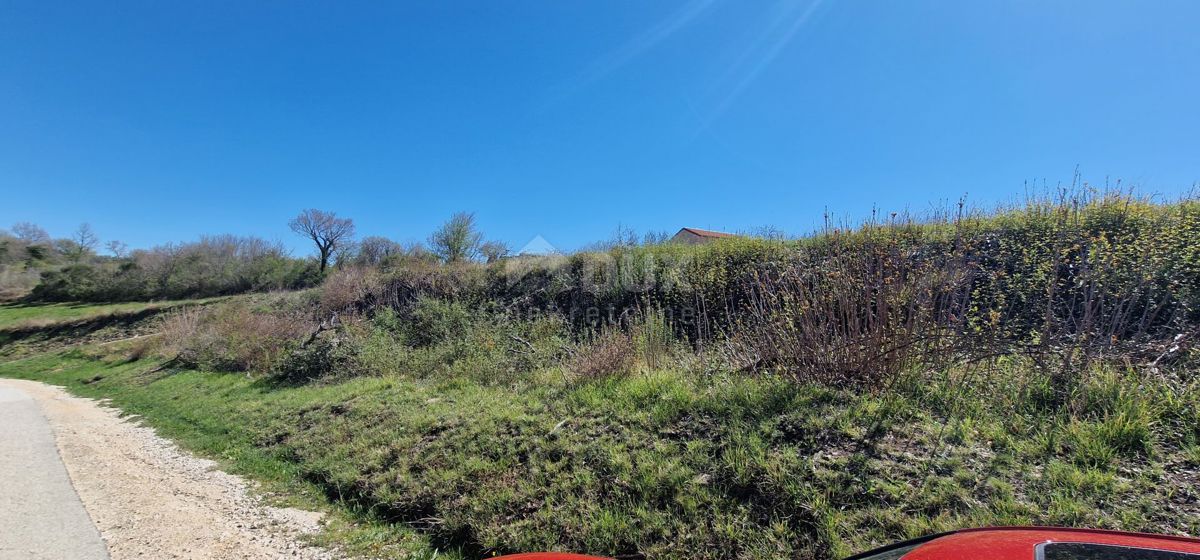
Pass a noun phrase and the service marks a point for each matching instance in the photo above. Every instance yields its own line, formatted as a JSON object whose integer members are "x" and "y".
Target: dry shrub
{"x": 610, "y": 353}
{"x": 856, "y": 318}
{"x": 348, "y": 289}
{"x": 461, "y": 282}
{"x": 234, "y": 336}
{"x": 16, "y": 282}
{"x": 180, "y": 328}
{"x": 1066, "y": 284}
{"x": 361, "y": 290}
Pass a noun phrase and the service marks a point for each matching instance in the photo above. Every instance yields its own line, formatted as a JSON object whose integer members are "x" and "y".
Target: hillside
{"x": 742, "y": 399}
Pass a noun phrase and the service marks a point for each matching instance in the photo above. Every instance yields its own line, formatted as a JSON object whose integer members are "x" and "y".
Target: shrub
{"x": 142, "y": 346}
{"x": 234, "y": 336}
{"x": 16, "y": 281}
{"x": 347, "y": 289}
{"x": 73, "y": 283}
{"x": 611, "y": 353}
{"x": 434, "y": 320}
{"x": 323, "y": 357}
{"x": 450, "y": 340}
{"x": 857, "y": 318}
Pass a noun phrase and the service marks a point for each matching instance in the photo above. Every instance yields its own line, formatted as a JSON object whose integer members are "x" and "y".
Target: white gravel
{"x": 149, "y": 499}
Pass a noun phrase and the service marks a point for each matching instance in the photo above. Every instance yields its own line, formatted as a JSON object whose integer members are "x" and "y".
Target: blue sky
{"x": 158, "y": 121}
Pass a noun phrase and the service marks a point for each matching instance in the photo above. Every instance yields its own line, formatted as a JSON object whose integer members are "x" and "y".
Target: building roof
{"x": 705, "y": 233}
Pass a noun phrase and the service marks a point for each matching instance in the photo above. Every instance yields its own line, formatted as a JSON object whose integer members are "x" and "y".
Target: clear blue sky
{"x": 160, "y": 121}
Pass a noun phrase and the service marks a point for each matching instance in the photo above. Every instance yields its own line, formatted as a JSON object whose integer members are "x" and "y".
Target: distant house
{"x": 693, "y": 236}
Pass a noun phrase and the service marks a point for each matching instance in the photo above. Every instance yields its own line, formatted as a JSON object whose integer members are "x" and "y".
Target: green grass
{"x": 674, "y": 464}
{"x": 32, "y": 315}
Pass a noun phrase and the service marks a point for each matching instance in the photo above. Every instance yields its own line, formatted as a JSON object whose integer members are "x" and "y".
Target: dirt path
{"x": 149, "y": 499}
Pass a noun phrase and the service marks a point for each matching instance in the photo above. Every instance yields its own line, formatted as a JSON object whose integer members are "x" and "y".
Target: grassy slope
{"x": 31, "y": 329}
{"x": 27, "y": 315}
{"x": 674, "y": 465}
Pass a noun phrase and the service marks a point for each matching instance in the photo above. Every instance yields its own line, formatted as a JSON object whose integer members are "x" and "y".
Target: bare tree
{"x": 656, "y": 237}
{"x": 494, "y": 250}
{"x": 117, "y": 248}
{"x": 86, "y": 237}
{"x": 374, "y": 250}
{"x": 82, "y": 243}
{"x": 327, "y": 231}
{"x": 30, "y": 233}
{"x": 625, "y": 236}
{"x": 457, "y": 240}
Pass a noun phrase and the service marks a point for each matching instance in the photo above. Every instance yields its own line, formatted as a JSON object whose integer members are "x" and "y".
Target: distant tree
{"x": 656, "y": 237}
{"x": 117, "y": 248}
{"x": 327, "y": 231}
{"x": 457, "y": 240}
{"x": 624, "y": 237}
{"x": 31, "y": 234}
{"x": 85, "y": 241}
{"x": 769, "y": 232}
{"x": 418, "y": 252}
{"x": 494, "y": 250}
{"x": 375, "y": 250}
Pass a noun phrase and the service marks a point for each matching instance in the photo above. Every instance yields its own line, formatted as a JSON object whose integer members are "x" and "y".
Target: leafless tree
{"x": 494, "y": 250}
{"x": 457, "y": 240}
{"x": 31, "y": 234}
{"x": 82, "y": 243}
{"x": 656, "y": 237}
{"x": 85, "y": 237}
{"x": 117, "y": 248}
{"x": 327, "y": 231}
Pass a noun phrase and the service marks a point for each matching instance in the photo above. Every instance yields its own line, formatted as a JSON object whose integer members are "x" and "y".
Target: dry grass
{"x": 611, "y": 353}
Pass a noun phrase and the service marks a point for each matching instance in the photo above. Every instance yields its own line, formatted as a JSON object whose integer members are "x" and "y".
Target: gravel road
{"x": 147, "y": 498}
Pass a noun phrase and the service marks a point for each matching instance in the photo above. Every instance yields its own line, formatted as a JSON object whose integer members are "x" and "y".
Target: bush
{"x": 16, "y": 281}
{"x": 346, "y": 289}
{"x": 235, "y": 336}
{"x": 611, "y": 353}
{"x": 321, "y": 358}
{"x": 433, "y": 321}
{"x": 858, "y": 318}
{"x": 73, "y": 283}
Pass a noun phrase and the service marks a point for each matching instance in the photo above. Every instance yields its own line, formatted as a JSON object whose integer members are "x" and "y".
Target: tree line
{"x": 83, "y": 268}
{"x": 457, "y": 240}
